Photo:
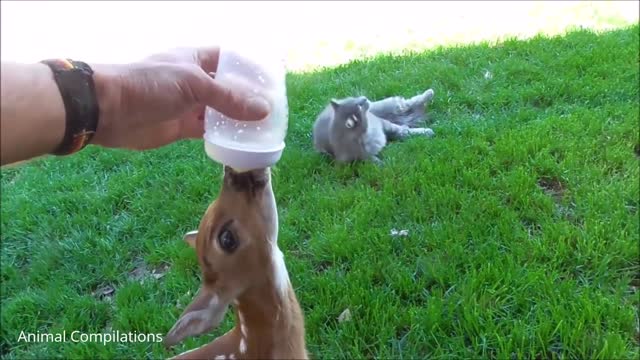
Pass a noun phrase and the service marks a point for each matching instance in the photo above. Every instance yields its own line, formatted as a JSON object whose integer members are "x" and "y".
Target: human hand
{"x": 162, "y": 99}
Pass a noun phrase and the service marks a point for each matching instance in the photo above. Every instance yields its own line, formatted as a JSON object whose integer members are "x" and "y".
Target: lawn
{"x": 522, "y": 216}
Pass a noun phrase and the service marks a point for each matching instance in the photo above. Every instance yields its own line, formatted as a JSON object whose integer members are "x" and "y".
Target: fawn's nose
{"x": 249, "y": 182}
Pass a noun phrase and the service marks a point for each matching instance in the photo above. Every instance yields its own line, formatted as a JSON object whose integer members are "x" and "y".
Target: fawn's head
{"x": 236, "y": 245}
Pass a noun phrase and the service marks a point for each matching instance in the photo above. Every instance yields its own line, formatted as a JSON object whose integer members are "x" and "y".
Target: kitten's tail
{"x": 402, "y": 111}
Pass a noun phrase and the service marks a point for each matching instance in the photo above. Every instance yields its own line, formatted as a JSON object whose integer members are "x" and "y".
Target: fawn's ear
{"x": 190, "y": 238}
{"x": 205, "y": 312}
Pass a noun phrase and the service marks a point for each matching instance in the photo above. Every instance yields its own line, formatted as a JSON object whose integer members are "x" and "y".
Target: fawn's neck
{"x": 269, "y": 317}
{"x": 269, "y": 324}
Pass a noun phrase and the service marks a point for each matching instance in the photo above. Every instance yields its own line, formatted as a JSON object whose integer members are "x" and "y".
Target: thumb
{"x": 232, "y": 100}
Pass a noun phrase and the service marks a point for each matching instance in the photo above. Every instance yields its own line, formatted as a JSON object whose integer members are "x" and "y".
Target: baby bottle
{"x": 247, "y": 145}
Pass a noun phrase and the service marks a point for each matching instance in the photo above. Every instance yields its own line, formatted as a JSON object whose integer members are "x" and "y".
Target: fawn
{"x": 237, "y": 249}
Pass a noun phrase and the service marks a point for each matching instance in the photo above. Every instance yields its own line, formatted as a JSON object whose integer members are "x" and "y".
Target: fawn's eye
{"x": 227, "y": 240}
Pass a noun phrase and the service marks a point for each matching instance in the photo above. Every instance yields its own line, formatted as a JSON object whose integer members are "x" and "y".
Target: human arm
{"x": 142, "y": 105}
{"x": 32, "y": 112}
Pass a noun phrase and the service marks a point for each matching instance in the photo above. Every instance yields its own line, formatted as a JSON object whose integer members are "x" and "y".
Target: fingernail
{"x": 258, "y": 107}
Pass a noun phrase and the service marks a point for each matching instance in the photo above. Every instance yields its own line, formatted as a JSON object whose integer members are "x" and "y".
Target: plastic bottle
{"x": 247, "y": 145}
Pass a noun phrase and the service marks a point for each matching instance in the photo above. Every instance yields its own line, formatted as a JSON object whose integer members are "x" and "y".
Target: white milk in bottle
{"x": 247, "y": 145}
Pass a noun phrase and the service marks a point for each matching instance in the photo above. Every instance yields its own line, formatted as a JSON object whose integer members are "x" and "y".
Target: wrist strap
{"x": 75, "y": 82}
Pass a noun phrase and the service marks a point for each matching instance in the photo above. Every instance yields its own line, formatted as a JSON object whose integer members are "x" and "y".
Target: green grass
{"x": 522, "y": 213}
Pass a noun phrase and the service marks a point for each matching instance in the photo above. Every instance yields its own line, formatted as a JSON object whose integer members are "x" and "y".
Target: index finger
{"x": 232, "y": 99}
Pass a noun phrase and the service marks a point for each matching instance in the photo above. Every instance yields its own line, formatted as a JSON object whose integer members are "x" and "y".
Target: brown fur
{"x": 272, "y": 319}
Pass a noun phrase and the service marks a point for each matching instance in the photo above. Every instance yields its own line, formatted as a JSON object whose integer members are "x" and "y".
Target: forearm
{"x": 32, "y": 121}
{"x": 33, "y": 118}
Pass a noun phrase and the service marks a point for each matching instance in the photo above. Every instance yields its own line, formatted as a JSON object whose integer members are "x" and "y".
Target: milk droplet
{"x": 240, "y": 131}
{"x": 261, "y": 79}
{"x": 258, "y": 128}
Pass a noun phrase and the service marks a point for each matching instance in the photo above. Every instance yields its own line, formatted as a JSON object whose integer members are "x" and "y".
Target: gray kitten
{"x": 354, "y": 128}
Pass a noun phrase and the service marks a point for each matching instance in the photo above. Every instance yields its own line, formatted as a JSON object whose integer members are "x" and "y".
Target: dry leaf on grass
{"x": 345, "y": 316}
{"x": 160, "y": 271}
{"x": 104, "y": 292}
{"x": 141, "y": 272}
{"x": 395, "y": 232}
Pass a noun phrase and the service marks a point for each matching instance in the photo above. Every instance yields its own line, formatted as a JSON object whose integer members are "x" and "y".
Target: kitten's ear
{"x": 335, "y": 104}
{"x": 363, "y": 103}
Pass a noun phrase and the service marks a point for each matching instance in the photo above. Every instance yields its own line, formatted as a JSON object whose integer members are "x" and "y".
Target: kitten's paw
{"x": 422, "y": 99}
{"x": 351, "y": 122}
{"x": 423, "y": 131}
{"x": 376, "y": 161}
{"x": 428, "y": 95}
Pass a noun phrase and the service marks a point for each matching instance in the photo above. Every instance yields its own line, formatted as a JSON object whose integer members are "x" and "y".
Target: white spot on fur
{"x": 280, "y": 274}
{"x": 214, "y": 301}
{"x": 220, "y": 357}
{"x": 243, "y": 328}
{"x": 232, "y": 356}
{"x": 192, "y": 350}
{"x": 243, "y": 346}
